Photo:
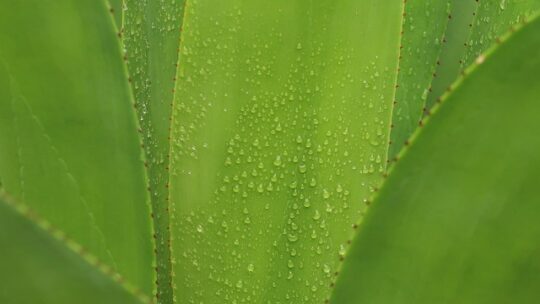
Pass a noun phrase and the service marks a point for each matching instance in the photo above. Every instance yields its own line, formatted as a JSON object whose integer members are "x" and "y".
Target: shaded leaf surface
{"x": 70, "y": 148}
{"x": 151, "y": 37}
{"x": 457, "y": 220}
{"x": 38, "y": 268}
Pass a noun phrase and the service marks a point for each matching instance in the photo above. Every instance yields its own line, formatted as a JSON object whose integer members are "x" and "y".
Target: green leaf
{"x": 152, "y": 37}
{"x": 40, "y": 266}
{"x": 492, "y": 20}
{"x": 449, "y": 63}
{"x": 474, "y": 26}
{"x": 457, "y": 219}
{"x": 68, "y": 130}
{"x": 423, "y": 30}
{"x": 280, "y": 129}
{"x": 429, "y": 62}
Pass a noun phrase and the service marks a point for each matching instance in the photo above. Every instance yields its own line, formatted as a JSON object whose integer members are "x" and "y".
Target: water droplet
{"x": 277, "y": 161}
{"x": 290, "y": 264}
{"x": 326, "y": 194}
{"x": 292, "y": 237}
{"x": 326, "y": 268}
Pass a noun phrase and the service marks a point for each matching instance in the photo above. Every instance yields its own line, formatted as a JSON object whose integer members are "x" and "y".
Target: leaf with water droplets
{"x": 280, "y": 124}
{"x": 151, "y": 36}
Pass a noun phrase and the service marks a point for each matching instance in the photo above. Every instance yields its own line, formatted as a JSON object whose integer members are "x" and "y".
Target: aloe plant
{"x": 269, "y": 151}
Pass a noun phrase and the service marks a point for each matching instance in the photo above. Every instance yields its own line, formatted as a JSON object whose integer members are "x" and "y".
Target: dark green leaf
{"x": 39, "y": 266}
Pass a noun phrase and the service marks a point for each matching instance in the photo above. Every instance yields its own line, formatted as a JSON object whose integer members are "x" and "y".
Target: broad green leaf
{"x": 457, "y": 219}
{"x": 281, "y": 121}
{"x": 423, "y": 29}
{"x": 152, "y": 37}
{"x": 38, "y": 266}
{"x": 70, "y": 148}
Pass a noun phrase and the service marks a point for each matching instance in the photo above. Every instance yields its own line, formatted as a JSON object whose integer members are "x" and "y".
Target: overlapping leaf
{"x": 37, "y": 267}
{"x": 430, "y": 60}
{"x": 457, "y": 219}
{"x": 151, "y": 37}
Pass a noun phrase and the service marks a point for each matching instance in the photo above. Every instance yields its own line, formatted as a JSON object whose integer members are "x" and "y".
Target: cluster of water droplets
{"x": 272, "y": 156}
